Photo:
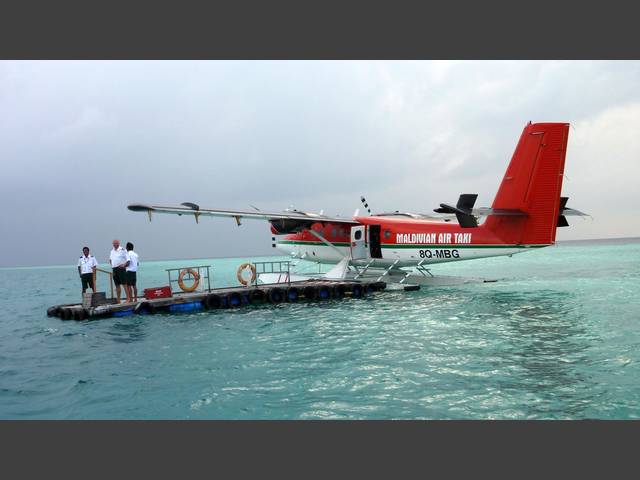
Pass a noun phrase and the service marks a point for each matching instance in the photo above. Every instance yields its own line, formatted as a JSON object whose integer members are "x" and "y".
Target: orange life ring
{"x": 241, "y": 269}
{"x": 196, "y": 279}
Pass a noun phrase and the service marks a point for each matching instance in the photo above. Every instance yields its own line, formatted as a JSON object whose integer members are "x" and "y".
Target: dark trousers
{"x": 87, "y": 281}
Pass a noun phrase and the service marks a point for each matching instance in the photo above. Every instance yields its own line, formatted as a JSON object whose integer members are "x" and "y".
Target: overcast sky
{"x": 79, "y": 141}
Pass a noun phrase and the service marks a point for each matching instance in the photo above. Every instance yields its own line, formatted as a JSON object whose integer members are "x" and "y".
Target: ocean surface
{"x": 557, "y": 337}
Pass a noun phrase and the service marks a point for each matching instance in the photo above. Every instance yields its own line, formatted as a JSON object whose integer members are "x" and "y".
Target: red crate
{"x": 158, "y": 292}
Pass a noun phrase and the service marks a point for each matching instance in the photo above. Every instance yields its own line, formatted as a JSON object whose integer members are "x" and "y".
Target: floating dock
{"x": 224, "y": 298}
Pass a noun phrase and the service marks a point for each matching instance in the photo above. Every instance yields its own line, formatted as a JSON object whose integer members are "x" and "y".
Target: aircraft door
{"x": 374, "y": 241}
{"x": 358, "y": 243}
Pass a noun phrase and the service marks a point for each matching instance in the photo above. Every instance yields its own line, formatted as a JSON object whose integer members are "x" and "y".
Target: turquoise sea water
{"x": 557, "y": 337}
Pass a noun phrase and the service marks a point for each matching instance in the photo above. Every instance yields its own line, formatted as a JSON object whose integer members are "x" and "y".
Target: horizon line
{"x": 7, "y": 267}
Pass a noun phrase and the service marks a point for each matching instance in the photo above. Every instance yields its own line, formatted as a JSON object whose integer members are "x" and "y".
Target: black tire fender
{"x": 324, "y": 292}
{"x": 256, "y": 296}
{"x": 293, "y": 294}
{"x": 276, "y": 295}
{"x": 212, "y": 301}
{"x": 234, "y": 300}
{"x": 339, "y": 291}
{"x": 310, "y": 292}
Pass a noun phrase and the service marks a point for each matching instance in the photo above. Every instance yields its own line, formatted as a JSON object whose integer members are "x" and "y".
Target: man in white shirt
{"x": 132, "y": 269}
{"x": 118, "y": 259}
{"x": 87, "y": 269}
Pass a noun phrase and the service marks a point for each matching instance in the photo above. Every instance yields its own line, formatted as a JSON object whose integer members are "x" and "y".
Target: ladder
{"x": 420, "y": 269}
{"x": 424, "y": 271}
{"x": 389, "y": 268}
{"x": 366, "y": 267}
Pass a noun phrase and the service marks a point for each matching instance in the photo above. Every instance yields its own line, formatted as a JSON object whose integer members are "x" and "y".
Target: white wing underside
{"x": 195, "y": 211}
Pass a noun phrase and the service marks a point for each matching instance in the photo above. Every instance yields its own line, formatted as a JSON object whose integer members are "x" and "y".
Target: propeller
{"x": 366, "y": 205}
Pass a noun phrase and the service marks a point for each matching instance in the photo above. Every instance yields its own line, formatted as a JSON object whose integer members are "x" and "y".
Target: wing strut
{"x": 326, "y": 242}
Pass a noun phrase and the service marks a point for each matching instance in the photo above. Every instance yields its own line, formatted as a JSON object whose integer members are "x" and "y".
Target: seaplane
{"x": 400, "y": 248}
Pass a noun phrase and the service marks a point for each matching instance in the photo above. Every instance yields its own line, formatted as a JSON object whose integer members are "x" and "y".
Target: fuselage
{"x": 397, "y": 240}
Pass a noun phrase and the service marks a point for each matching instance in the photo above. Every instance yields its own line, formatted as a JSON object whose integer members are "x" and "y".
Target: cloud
{"x": 81, "y": 140}
{"x": 86, "y": 121}
{"x": 603, "y": 167}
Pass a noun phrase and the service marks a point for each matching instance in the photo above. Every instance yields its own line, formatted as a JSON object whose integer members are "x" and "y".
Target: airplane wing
{"x": 287, "y": 221}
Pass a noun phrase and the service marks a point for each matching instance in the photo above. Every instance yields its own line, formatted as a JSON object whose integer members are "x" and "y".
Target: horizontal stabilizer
{"x": 501, "y": 212}
{"x": 564, "y": 211}
{"x": 574, "y": 213}
{"x": 463, "y": 210}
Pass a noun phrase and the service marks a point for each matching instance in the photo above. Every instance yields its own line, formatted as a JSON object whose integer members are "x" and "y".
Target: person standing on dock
{"x": 132, "y": 269}
{"x": 118, "y": 259}
{"x": 87, "y": 269}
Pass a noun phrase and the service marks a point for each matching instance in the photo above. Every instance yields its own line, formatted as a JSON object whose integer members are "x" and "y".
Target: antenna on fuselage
{"x": 366, "y": 205}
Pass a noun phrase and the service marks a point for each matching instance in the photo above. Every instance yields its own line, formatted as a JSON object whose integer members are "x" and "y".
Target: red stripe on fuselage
{"x": 333, "y": 232}
{"x": 448, "y": 232}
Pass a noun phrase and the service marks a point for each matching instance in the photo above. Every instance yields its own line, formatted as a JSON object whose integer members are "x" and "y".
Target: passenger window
{"x": 387, "y": 234}
{"x": 358, "y": 234}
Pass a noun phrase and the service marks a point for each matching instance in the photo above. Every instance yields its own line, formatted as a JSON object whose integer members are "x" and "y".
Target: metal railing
{"x": 282, "y": 267}
{"x": 203, "y": 275}
{"x": 110, "y": 274}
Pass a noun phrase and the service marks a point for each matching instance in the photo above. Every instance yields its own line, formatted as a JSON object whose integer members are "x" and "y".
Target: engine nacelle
{"x": 284, "y": 226}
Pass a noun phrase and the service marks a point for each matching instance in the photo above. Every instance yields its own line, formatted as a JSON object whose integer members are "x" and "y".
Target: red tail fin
{"x": 532, "y": 183}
